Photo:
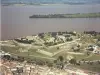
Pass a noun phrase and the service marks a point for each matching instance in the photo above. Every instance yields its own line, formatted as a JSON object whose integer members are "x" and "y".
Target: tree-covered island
{"x": 76, "y": 15}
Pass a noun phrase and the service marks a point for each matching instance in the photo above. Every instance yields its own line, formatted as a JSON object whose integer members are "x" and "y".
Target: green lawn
{"x": 79, "y": 57}
{"x": 14, "y": 51}
{"x": 93, "y": 67}
{"x": 53, "y": 49}
{"x": 10, "y": 49}
{"x": 94, "y": 57}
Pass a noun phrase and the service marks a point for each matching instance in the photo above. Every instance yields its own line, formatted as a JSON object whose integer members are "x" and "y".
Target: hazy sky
{"x": 54, "y": 1}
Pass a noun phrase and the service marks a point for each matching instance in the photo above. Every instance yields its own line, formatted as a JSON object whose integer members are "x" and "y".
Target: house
{"x": 96, "y": 50}
{"x": 92, "y": 47}
{"x": 50, "y": 39}
{"x": 61, "y": 38}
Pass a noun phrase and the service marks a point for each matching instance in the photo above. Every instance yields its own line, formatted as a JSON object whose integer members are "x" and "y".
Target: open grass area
{"x": 94, "y": 57}
{"x": 60, "y": 52}
{"x": 32, "y": 54}
{"x": 53, "y": 49}
{"x": 79, "y": 57}
{"x": 93, "y": 67}
{"x": 10, "y": 49}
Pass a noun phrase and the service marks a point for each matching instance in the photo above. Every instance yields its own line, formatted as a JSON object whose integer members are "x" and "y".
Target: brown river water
{"x": 15, "y": 20}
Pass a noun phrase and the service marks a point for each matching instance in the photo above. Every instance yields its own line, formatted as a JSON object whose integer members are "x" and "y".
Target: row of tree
{"x": 26, "y": 41}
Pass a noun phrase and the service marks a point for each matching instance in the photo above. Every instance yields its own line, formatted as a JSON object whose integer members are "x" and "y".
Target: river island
{"x": 76, "y": 15}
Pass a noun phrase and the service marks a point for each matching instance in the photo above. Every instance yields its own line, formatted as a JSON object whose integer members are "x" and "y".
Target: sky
{"x": 51, "y": 1}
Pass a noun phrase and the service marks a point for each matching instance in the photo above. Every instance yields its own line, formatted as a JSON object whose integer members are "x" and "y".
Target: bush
{"x": 73, "y": 61}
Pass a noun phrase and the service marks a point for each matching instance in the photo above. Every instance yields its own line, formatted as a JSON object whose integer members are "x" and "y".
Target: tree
{"x": 60, "y": 58}
{"x": 78, "y": 46}
{"x": 73, "y": 61}
{"x": 88, "y": 53}
{"x": 55, "y": 61}
{"x": 58, "y": 48}
{"x": 98, "y": 62}
{"x": 6, "y": 57}
{"x": 59, "y": 62}
{"x": 50, "y": 64}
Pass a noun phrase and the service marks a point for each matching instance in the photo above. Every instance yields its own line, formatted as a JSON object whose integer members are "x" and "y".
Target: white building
{"x": 50, "y": 39}
{"x": 96, "y": 50}
{"x": 62, "y": 37}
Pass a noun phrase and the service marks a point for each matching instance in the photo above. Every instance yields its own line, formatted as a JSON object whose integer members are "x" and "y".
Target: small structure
{"x": 92, "y": 47}
{"x": 50, "y": 39}
{"x": 61, "y": 37}
{"x": 96, "y": 50}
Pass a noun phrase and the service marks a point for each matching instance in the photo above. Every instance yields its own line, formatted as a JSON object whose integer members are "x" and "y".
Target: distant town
{"x": 52, "y": 53}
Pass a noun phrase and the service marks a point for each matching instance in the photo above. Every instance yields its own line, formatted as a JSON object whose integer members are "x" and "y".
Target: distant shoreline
{"x": 35, "y": 4}
{"x": 77, "y": 15}
{"x": 42, "y": 4}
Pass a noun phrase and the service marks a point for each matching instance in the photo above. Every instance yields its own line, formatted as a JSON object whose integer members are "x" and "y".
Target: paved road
{"x": 76, "y": 53}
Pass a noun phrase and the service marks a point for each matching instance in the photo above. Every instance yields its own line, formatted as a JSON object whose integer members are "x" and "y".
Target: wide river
{"x": 15, "y": 20}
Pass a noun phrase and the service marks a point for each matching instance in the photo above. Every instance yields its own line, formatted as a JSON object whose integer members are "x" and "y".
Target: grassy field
{"x": 53, "y": 49}
{"x": 94, "y": 57}
{"x": 32, "y": 54}
{"x": 93, "y": 67}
